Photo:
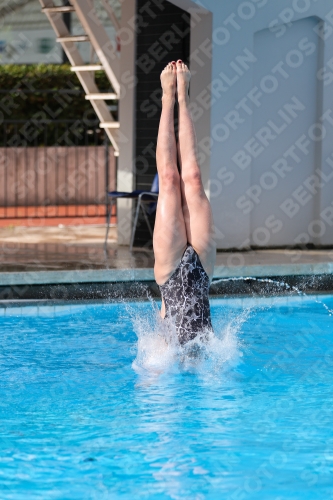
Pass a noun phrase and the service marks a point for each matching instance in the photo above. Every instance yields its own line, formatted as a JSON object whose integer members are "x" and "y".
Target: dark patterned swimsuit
{"x": 185, "y": 296}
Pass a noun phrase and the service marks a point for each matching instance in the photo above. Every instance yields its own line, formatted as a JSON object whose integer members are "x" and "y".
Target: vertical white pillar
{"x": 125, "y": 174}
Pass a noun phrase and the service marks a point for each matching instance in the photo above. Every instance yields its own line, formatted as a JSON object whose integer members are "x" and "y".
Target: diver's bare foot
{"x": 183, "y": 81}
{"x": 169, "y": 80}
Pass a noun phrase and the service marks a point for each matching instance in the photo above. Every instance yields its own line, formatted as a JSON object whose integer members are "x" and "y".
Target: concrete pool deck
{"x": 69, "y": 255}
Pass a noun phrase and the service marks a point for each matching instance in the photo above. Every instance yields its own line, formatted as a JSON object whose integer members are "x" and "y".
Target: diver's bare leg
{"x": 196, "y": 207}
{"x": 170, "y": 238}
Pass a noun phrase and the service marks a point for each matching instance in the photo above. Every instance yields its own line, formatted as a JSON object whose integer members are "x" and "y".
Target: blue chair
{"x": 146, "y": 203}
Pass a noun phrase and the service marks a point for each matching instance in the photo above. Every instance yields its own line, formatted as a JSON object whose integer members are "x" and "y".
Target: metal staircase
{"x": 96, "y": 35}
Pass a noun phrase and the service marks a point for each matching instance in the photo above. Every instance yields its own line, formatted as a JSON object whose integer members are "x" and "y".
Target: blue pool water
{"x": 87, "y": 412}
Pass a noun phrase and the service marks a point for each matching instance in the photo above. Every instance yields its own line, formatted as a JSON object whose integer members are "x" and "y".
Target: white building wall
{"x": 271, "y": 140}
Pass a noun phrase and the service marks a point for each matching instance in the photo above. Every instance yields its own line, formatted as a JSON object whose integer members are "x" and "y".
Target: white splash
{"x": 156, "y": 347}
{"x": 159, "y": 351}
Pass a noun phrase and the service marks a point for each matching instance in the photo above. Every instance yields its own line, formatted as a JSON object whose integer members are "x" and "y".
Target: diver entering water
{"x": 183, "y": 235}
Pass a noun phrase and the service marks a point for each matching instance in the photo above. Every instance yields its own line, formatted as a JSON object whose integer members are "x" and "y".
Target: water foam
{"x": 158, "y": 349}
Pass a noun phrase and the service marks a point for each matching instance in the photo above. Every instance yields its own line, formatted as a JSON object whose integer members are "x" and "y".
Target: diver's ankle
{"x": 168, "y": 99}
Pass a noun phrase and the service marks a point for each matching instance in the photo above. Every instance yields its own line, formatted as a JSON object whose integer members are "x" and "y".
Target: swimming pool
{"x": 82, "y": 416}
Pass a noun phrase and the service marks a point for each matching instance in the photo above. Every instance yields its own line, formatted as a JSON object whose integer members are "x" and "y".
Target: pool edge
{"x": 142, "y": 290}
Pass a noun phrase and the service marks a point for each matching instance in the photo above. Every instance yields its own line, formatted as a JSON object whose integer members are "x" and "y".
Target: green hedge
{"x": 25, "y": 91}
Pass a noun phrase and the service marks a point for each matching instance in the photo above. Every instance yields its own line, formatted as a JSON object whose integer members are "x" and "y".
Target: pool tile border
{"x": 47, "y": 309}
